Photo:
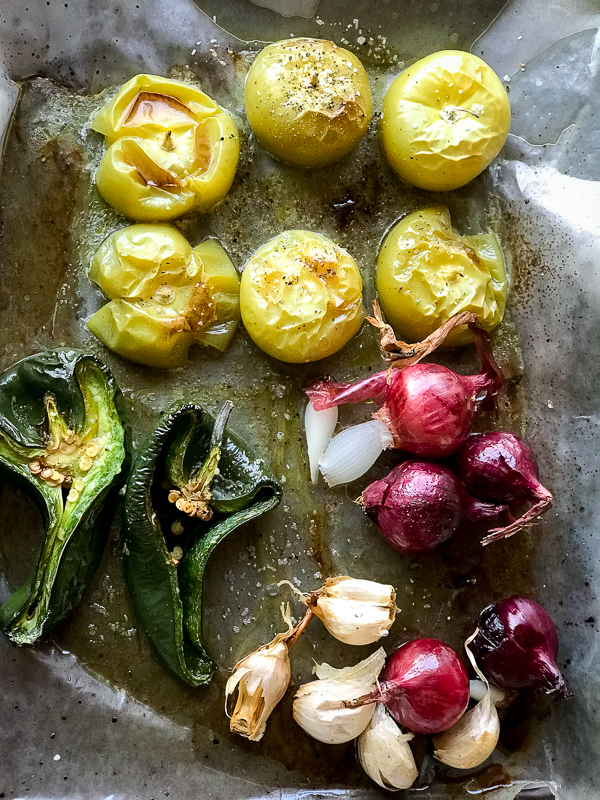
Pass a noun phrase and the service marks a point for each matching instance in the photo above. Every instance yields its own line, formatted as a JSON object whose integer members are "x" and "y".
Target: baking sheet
{"x": 115, "y": 737}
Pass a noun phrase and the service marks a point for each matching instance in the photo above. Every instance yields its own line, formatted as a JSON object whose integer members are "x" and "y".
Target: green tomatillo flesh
{"x": 168, "y": 543}
{"x": 62, "y": 438}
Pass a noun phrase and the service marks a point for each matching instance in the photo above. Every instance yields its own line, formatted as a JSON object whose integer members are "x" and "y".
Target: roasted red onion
{"x": 420, "y": 505}
{"x": 424, "y": 685}
{"x": 428, "y": 408}
{"x": 516, "y": 646}
{"x": 501, "y": 467}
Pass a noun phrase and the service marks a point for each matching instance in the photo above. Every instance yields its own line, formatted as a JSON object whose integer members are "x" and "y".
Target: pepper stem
{"x": 194, "y": 498}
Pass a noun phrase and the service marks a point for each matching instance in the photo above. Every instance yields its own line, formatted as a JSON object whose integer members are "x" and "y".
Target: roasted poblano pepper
{"x": 62, "y": 438}
{"x": 191, "y": 484}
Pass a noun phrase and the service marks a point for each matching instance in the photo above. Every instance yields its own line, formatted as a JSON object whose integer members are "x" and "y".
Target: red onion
{"x": 501, "y": 467}
{"x": 428, "y": 408}
{"x": 420, "y": 505}
{"x": 424, "y": 685}
{"x": 516, "y": 646}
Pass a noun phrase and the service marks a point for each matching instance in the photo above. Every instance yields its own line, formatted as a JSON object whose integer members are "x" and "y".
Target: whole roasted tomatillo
{"x": 444, "y": 119}
{"x": 62, "y": 436}
{"x": 192, "y": 483}
{"x": 164, "y": 295}
{"x": 426, "y": 273}
{"x": 171, "y": 149}
{"x": 301, "y": 297}
{"x": 308, "y": 101}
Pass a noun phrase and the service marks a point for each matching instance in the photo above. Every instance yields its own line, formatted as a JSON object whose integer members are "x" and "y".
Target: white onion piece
{"x": 353, "y": 451}
{"x": 318, "y": 427}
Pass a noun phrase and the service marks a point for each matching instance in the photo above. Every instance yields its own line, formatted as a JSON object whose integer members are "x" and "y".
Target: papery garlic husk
{"x": 471, "y": 740}
{"x": 384, "y": 753}
{"x": 356, "y": 611}
{"x": 261, "y": 680}
{"x": 318, "y": 705}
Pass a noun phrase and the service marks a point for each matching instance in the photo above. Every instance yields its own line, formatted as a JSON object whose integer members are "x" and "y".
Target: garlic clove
{"x": 501, "y": 698}
{"x": 384, "y": 753}
{"x": 318, "y": 705}
{"x": 260, "y": 679}
{"x": 356, "y": 611}
{"x": 471, "y": 740}
{"x": 318, "y": 427}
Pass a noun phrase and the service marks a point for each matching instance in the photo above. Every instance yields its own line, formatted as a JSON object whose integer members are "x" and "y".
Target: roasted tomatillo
{"x": 427, "y": 273}
{"x": 301, "y": 297}
{"x": 164, "y": 295}
{"x": 171, "y": 149}
{"x": 308, "y": 101}
{"x": 62, "y": 438}
{"x": 444, "y": 119}
{"x": 192, "y": 484}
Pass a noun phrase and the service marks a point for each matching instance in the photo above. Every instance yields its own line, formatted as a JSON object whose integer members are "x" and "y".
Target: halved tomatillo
{"x": 427, "y": 273}
{"x": 164, "y": 295}
{"x": 171, "y": 149}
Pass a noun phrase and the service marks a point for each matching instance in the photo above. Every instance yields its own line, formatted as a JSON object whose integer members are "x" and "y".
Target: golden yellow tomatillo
{"x": 444, "y": 119}
{"x": 171, "y": 149}
{"x": 164, "y": 295}
{"x": 426, "y": 273}
{"x": 308, "y": 101}
{"x": 301, "y": 297}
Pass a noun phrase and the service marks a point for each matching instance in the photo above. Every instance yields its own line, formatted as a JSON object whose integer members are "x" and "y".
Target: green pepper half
{"x": 61, "y": 436}
{"x": 191, "y": 484}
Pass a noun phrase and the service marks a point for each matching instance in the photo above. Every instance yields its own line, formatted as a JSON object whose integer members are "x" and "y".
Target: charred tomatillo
{"x": 427, "y": 273}
{"x": 171, "y": 149}
{"x": 308, "y": 101}
{"x": 444, "y": 119}
{"x": 301, "y": 297}
{"x": 164, "y": 295}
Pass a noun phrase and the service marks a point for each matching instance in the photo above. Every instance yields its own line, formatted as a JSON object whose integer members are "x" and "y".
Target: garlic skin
{"x": 471, "y": 740}
{"x": 384, "y": 753}
{"x": 356, "y": 611}
{"x": 261, "y": 680}
{"x": 318, "y": 705}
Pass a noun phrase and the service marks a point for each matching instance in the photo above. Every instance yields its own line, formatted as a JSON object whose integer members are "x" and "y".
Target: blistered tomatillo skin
{"x": 164, "y": 295}
{"x": 171, "y": 150}
{"x": 301, "y": 297}
{"x": 308, "y": 101}
{"x": 427, "y": 273}
{"x": 444, "y": 119}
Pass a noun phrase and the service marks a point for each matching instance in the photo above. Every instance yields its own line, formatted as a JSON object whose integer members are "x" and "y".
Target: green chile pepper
{"x": 192, "y": 483}
{"x": 62, "y": 439}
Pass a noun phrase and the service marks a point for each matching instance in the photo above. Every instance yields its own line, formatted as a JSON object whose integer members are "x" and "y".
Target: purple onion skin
{"x": 420, "y": 505}
{"x": 500, "y": 467}
{"x": 517, "y": 645}
{"x": 425, "y": 686}
{"x": 429, "y": 409}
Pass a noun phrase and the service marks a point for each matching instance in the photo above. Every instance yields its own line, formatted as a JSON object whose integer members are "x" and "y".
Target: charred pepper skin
{"x": 167, "y": 591}
{"x": 63, "y": 440}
